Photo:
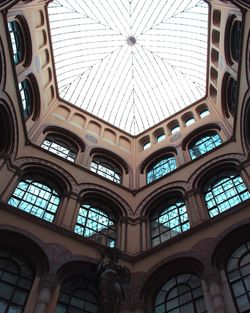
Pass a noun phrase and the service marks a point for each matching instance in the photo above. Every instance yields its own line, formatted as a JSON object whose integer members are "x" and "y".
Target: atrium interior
{"x": 124, "y": 151}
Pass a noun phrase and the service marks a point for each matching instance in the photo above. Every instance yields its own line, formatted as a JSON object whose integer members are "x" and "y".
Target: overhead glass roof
{"x": 132, "y": 63}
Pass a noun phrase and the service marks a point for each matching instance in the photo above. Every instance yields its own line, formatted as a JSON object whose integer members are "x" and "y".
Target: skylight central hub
{"x": 131, "y": 41}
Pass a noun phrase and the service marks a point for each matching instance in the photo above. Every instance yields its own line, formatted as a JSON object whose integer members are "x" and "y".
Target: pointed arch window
{"x": 169, "y": 222}
{"x": 16, "y": 279}
{"x": 107, "y": 169}
{"x": 224, "y": 191}
{"x": 97, "y": 223}
{"x": 36, "y": 197}
{"x": 17, "y": 41}
{"x": 77, "y": 295}
{"x": 182, "y": 293}
{"x": 204, "y": 143}
{"x": 161, "y": 167}
{"x": 238, "y": 273}
{"x": 60, "y": 146}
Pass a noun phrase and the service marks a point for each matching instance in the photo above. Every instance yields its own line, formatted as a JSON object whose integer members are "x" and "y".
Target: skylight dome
{"x": 132, "y": 63}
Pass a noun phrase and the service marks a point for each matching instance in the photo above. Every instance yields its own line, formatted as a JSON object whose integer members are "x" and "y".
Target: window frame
{"x": 35, "y": 182}
{"x": 17, "y": 40}
{"x": 202, "y": 139}
{"x": 101, "y": 212}
{"x": 108, "y": 165}
{"x": 241, "y": 276}
{"x": 171, "y": 204}
{"x": 182, "y": 279}
{"x": 218, "y": 181}
{"x": 156, "y": 164}
{"x": 72, "y": 148}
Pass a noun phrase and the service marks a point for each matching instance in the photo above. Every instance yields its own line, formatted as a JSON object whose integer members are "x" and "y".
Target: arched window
{"x": 183, "y": 293}
{"x": 107, "y": 169}
{"x": 235, "y": 40}
{"x": 16, "y": 279}
{"x": 204, "y": 113}
{"x": 203, "y": 143}
{"x": 238, "y": 273}
{"x": 96, "y": 223}
{"x": 26, "y": 97}
{"x": 224, "y": 191}
{"x": 231, "y": 95}
{"x": 161, "y": 167}
{"x": 77, "y": 295}
{"x": 169, "y": 222}
{"x": 17, "y": 41}
{"x": 36, "y": 197}
{"x": 59, "y": 146}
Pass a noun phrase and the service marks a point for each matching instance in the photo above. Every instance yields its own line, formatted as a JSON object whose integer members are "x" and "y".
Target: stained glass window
{"x": 60, "y": 147}
{"x": 36, "y": 198}
{"x": 95, "y": 223}
{"x": 17, "y": 41}
{"x": 181, "y": 294}
{"x": 238, "y": 272}
{"x": 169, "y": 222}
{"x": 16, "y": 278}
{"x": 26, "y": 97}
{"x": 106, "y": 169}
{"x": 77, "y": 295}
{"x": 160, "y": 168}
{"x": 224, "y": 191}
{"x": 203, "y": 143}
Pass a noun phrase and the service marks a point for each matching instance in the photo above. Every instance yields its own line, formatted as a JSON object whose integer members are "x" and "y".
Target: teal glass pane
{"x": 96, "y": 224}
{"x": 203, "y": 144}
{"x": 35, "y": 198}
{"x": 161, "y": 138}
{"x": 161, "y": 168}
{"x": 225, "y": 193}
{"x": 204, "y": 113}
{"x": 106, "y": 170}
{"x": 26, "y": 97}
{"x": 57, "y": 146}
{"x": 169, "y": 222}
{"x": 17, "y": 41}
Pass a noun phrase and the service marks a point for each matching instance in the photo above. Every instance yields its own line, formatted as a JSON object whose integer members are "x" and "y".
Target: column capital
{"x": 211, "y": 274}
{"x": 48, "y": 281}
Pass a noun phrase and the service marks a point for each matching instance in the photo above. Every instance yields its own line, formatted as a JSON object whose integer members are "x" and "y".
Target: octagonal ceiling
{"x": 132, "y": 63}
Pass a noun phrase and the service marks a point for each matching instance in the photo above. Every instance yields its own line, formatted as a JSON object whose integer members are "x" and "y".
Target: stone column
{"x": 213, "y": 280}
{"x": 46, "y": 286}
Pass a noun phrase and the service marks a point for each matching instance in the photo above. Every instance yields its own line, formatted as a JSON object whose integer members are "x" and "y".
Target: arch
{"x": 119, "y": 162}
{"x": 156, "y": 155}
{"x": 40, "y": 167}
{"x": 30, "y": 97}
{"x": 229, "y": 95}
{"x": 233, "y": 40}
{"x": 246, "y": 124}
{"x": 120, "y": 205}
{"x": 6, "y": 129}
{"x": 20, "y": 40}
{"x": 203, "y": 143}
{"x": 211, "y": 127}
{"x": 97, "y": 220}
{"x": 67, "y": 135}
{"x": 23, "y": 244}
{"x": 200, "y": 176}
{"x": 164, "y": 271}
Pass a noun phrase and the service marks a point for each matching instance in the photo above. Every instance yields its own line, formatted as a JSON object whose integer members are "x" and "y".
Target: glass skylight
{"x": 130, "y": 62}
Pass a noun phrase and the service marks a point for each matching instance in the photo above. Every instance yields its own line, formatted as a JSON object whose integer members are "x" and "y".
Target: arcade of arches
{"x": 169, "y": 207}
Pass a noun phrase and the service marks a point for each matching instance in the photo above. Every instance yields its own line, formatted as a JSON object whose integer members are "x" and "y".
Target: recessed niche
{"x": 212, "y": 93}
{"x": 215, "y": 57}
{"x": 216, "y": 17}
{"x": 216, "y": 37}
{"x": 213, "y": 75}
